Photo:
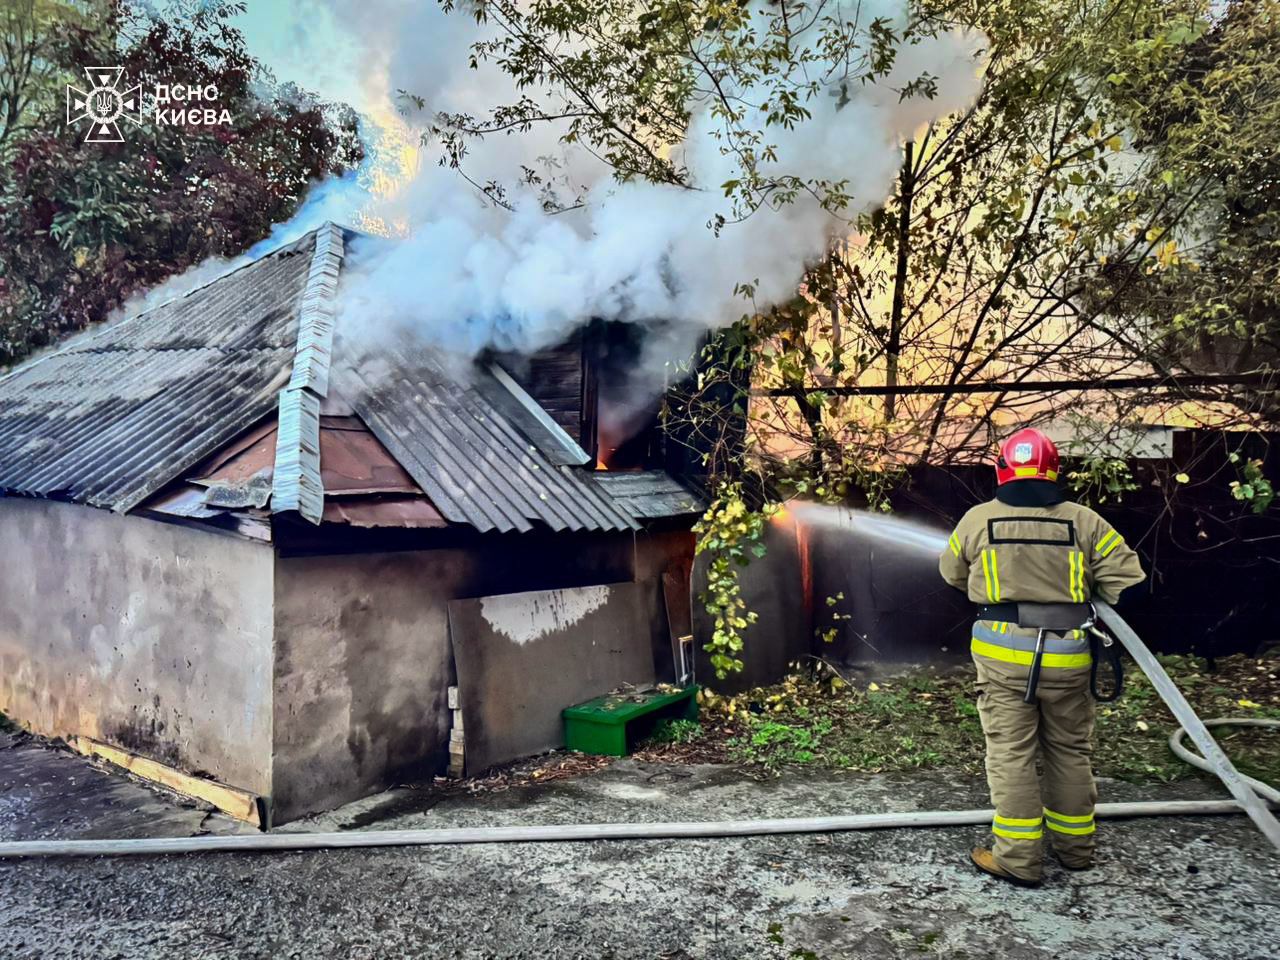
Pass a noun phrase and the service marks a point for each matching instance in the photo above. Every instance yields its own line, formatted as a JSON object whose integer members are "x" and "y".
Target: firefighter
{"x": 1031, "y": 558}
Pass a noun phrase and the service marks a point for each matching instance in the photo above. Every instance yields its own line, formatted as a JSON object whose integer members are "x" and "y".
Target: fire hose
{"x": 1255, "y": 804}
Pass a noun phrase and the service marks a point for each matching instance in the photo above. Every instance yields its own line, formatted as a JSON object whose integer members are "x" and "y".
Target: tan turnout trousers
{"x": 1059, "y": 553}
{"x": 1058, "y": 729}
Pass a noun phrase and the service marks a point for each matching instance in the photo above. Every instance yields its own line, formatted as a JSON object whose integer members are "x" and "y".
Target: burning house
{"x": 236, "y": 548}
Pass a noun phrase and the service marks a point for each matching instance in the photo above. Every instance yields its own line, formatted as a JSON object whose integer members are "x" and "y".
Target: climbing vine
{"x": 731, "y": 534}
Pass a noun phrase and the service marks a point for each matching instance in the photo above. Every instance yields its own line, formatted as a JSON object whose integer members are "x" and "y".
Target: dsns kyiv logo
{"x": 104, "y": 105}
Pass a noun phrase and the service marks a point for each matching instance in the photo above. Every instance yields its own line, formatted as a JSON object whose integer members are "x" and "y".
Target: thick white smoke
{"x": 470, "y": 274}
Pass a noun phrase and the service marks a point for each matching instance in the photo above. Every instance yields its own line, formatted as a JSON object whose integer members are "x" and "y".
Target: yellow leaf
{"x": 873, "y": 687}
{"x": 1249, "y": 704}
{"x": 1182, "y": 478}
{"x": 1142, "y": 725}
{"x": 1116, "y": 142}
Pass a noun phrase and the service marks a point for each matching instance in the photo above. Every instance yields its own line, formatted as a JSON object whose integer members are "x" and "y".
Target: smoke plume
{"x": 469, "y": 274}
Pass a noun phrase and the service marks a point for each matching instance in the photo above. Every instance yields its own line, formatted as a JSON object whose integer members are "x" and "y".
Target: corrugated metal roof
{"x": 467, "y": 456}
{"x": 649, "y": 494}
{"x": 113, "y": 416}
{"x": 296, "y": 483}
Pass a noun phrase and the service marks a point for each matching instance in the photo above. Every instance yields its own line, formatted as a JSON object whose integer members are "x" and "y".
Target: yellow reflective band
{"x": 1033, "y": 472}
{"x": 1110, "y": 546}
{"x": 955, "y": 544}
{"x": 1024, "y": 657}
{"x": 1073, "y": 831}
{"x": 991, "y": 574}
{"x": 1106, "y": 538}
{"x": 1017, "y": 822}
{"x": 1013, "y": 835}
{"x": 1069, "y": 817}
{"x": 1075, "y": 575}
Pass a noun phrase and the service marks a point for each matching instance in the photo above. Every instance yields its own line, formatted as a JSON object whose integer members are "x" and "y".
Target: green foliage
{"x": 928, "y": 720}
{"x": 1204, "y": 103}
{"x": 829, "y": 634}
{"x": 775, "y": 744}
{"x": 1101, "y": 479}
{"x": 619, "y": 77}
{"x": 730, "y": 534}
{"x": 84, "y": 225}
{"x": 677, "y": 731}
{"x": 1252, "y": 487}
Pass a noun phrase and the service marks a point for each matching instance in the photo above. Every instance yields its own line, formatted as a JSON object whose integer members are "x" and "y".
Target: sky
{"x": 289, "y": 37}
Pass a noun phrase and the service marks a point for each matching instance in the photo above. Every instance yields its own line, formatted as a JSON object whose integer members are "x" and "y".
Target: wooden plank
{"x": 230, "y": 800}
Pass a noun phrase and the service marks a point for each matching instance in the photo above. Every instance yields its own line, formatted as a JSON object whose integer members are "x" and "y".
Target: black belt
{"x": 1000, "y": 612}
{"x": 1038, "y": 616}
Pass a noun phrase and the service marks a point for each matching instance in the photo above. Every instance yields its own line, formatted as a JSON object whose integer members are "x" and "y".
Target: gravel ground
{"x": 1164, "y": 888}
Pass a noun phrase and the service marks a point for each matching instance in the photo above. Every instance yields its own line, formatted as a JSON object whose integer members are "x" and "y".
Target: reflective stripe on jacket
{"x": 1059, "y": 553}
{"x": 1005, "y": 642}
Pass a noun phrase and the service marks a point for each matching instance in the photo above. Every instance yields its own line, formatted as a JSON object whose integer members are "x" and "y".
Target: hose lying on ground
{"x": 1214, "y": 761}
{"x": 1264, "y": 790}
{"x": 570, "y": 831}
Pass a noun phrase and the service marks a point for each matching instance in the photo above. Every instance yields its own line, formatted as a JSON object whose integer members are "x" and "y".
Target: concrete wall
{"x": 362, "y": 672}
{"x": 363, "y": 656}
{"x": 151, "y": 636}
{"x": 523, "y": 657}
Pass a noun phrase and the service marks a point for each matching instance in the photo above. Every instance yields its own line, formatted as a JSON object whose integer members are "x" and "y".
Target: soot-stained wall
{"x": 151, "y": 636}
{"x": 362, "y": 670}
{"x": 363, "y": 657}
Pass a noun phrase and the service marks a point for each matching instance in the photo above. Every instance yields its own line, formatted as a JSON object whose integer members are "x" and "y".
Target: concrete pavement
{"x": 1194, "y": 889}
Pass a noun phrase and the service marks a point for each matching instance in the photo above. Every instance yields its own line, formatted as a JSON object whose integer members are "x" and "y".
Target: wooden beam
{"x": 232, "y": 801}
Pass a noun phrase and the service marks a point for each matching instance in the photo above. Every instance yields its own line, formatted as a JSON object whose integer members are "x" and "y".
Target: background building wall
{"x": 775, "y": 587}
{"x": 151, "y": 636}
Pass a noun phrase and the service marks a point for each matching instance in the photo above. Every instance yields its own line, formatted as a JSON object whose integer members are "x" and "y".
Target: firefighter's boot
{"x": 984, "y": 861}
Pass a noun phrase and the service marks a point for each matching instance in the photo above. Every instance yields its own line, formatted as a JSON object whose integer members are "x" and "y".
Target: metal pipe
{"x": 1215, "y": 761}
{"x": 257, "y": 842}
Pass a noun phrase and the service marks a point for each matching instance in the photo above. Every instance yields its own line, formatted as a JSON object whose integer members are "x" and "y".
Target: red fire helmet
{"x": 1027, "y": 455}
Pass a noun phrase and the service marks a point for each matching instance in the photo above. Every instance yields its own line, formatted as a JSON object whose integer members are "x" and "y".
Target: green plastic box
{"x": 612, "y": 724}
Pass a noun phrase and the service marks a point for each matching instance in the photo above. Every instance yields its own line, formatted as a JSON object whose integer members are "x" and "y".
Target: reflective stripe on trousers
{"x": 1017, "y": 828}
{"x": 1076, "y": 826}
{"x": 993, "y": 639}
